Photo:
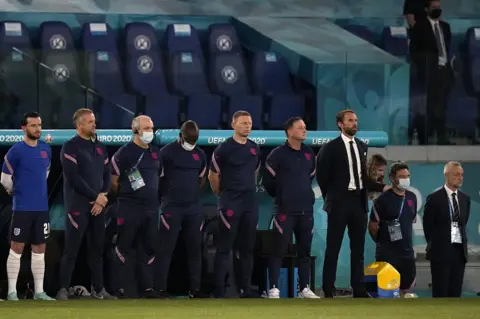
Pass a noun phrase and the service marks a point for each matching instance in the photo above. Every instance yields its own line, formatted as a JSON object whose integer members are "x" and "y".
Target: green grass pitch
{"x": 340, "y": 308}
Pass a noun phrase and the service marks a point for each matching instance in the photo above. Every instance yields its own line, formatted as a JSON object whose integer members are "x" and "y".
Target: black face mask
{"x": 435, "y": 13}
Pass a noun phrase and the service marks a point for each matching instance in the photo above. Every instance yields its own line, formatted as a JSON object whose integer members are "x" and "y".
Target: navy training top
{"x": 28, "y": 166}
{"x": 237, "y": 164}
{"x": 150, "y": 169}
{"x": 387, "y": 208}
{"x": 182, "y": 173}
{"x": 289, "y": 176}
{"x": 86, "y": 173}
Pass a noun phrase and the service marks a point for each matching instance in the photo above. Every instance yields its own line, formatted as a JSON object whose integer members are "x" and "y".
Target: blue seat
{"x": 271, "y": 78}
{"x": 146, "y": 77}
{"x": 56, "y": 36}
{"x": 98, "y": 37}
{"x": 182, "y": 38}
{"x": 229, "y": 78}
{"x": 361, "y": 32}
{"x": 141, "y": 36}
{"x": 395, "y": 41}
{"x": 223, "y": 38}
{"x": 462, "y": 110}
{"x": 188, "y": 79}
{"x": 13, "y": 34}
{"x": 473, "y": 58}
{"x": 116, "y": 107}
{"x": 60, "y": 92}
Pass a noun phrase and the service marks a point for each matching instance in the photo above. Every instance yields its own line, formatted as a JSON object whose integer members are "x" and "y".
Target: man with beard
{"x": 376, "y": 166}
{"x": 86, "y": 182}
{"x": 342, "y": 177}
{"x": 232, "y": 176}
{"x": 24, "y": 175}
{"x": 184, "y": 167}
{"x": 290, "y": 171}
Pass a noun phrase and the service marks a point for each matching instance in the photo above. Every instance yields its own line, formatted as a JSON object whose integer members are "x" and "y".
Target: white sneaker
{"x": 273, "y": 293}
{"x": 307, "y": 293}
{"x": 410, "y": 295}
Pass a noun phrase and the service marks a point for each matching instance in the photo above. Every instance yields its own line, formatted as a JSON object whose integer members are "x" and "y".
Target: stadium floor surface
{"x": 243, "y": 308}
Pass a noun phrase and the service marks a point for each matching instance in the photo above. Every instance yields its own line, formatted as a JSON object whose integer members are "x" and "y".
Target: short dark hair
{"x": 428, "y": 2}
{"x": 290, "y": 122}
{"x": 189, "y": 127}
{"x": 29, "y": 115}
{"x": 397, "y": 166}
{"x": 341, "y": 115}
{"x": 237, "y": 114}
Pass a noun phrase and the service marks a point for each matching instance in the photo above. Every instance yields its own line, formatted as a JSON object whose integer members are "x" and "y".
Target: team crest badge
{"x": 16, "y": 231}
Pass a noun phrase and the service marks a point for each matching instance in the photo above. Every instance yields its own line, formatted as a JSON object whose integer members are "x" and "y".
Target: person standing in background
{"x": 445, "y": 218}
{"x": 342, "y": 176}
{"x": 430, "y": 41}
{"x": 376, "y": 166}
{"x": 413, "y": 11}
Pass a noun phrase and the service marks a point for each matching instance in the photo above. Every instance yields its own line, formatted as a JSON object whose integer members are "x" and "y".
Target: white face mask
{"x": 188, "y": 147}
{"x": 404, "y": 183}
{"x": 147, "y": 137}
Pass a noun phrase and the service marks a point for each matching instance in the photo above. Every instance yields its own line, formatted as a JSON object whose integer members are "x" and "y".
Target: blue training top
{"x": 28, "y": 166}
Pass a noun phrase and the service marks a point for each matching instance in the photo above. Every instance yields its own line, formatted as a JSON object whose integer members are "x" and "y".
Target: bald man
{"x": 135, "y": 176}
{"x": 445, "y": 219}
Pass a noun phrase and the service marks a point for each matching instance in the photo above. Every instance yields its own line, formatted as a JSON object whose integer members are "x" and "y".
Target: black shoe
{"x": 162, "y": 294}
{"x": 250, "y": 294}
{"x": 360, "y": 294}
{"x": 150, "y": 294}
{"x": 198, "y": 295}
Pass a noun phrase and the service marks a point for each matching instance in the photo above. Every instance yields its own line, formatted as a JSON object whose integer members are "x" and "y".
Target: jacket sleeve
{"x": 428, "y": 218}
{"x": 324, "y": 166}
{"x": 271, "y": 169}
{"x": 68, "y": 158}
{"x": 107, "y": 175}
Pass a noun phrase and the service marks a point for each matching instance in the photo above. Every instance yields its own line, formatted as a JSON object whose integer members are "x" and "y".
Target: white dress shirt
{"x": 442, "y": 60}
{"x": 351, "y": 185}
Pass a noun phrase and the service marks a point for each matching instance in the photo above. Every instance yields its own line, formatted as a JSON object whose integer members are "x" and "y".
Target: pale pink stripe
{"x": 74, "y": 224}
{"x": 313, "y": 173}
{"x": 115, "y": 166}
{"x": 214, "y": 162}
{"x": 258, "y": 167}
{"x": 415, "y": 220}
{"x": 106, "y": 161}
{"x": 201, "y": 226}
{"x": 313, "y": 230}
{"x": 257, "y": 226}
{"x": 270, "y": 169}
{"x": 151, "y": 260}
{"x": 162, "y": 173}
{"x": 277, "y": 226}
{"x": 375, "y": 213}
{"x": 9, "y": 167}
{"x": 224, "y": 220}
{"x": 119, "y": 255}
{"x": 203, "y": 171}
{"x": 164, "y": 222}
{"x": 70, "y": 158}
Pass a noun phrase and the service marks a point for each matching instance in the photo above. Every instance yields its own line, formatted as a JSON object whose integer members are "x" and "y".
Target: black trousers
{"x": 438, "y": 85}
{"x": 233, "y": 223}
{"x": 134, "y": 252}
{"x": 191, "y": 223}
{"x": 283, "y": 226}
{"x": 447, "y": 275}
{"x": 79, "y": 224}
{"x": 349, "y": 212}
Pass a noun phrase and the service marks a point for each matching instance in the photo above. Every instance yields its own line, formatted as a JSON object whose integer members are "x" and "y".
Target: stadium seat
{"x": 98, "y": 37}
{"x": 18, "y": 74}
{"x": 271, "y": 78}
{"x": 395, "y": 41}
{"x": 188, "y": 80}
{"x": 223, "y": 38}
{"x": 60, "y": 92}
{"x": 473, "y": 59}
{"x": 361, "y": 32}
{"x": 146, "y": 77}
{"x": 56, "y": 36}
{"x": 116, "y": 107}
{"x": 228, "y": 78}
{"x": 462, "y": 110}
{"x": 183, "y": 38}
{"x": 141, "y": 36}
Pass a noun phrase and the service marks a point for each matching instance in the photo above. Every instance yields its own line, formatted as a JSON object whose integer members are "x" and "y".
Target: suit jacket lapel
{"x": 341, "y": 145}
{"x": 449, "y": 205}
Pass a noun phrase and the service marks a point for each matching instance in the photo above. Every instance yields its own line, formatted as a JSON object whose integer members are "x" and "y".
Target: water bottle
{"x": 415, "y": 138}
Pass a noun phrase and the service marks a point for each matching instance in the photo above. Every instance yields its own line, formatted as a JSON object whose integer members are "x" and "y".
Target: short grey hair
{"x": 450, "y": 164}
{"x": 136, "y": 121}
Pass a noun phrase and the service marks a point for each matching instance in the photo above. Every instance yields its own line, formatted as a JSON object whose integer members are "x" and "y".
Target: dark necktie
{"x": 440, "y": 48}
{"x": 355, "y": 166}
{"x": 456, "y": 210}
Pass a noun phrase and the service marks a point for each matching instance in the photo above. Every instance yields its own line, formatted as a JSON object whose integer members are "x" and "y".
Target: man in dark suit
{"x": 429, "y": 46}
{"x": 413, "y": 11}
{"x": 342, "y": 177}
{"x": 445, "y": 218}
